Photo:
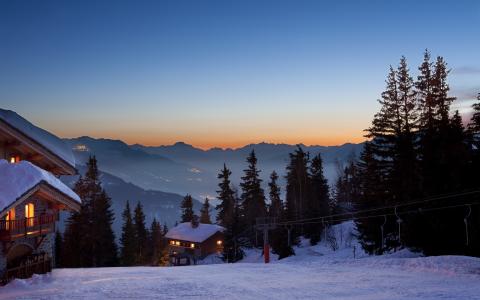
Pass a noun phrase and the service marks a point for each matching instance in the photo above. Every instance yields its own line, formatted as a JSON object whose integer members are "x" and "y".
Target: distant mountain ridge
{"x": 182, "y": 168}
{"x": 165, "y": 207}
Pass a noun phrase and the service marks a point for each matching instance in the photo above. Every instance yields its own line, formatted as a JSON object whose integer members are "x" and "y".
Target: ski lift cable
{"x": 302, "y": 222}
{"x": 441, "y": 197}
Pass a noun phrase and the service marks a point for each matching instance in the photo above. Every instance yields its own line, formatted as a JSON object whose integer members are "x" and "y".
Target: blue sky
{"x": 223, "y": 73}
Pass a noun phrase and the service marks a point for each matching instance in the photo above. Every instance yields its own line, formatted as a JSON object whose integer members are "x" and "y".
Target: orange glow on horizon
{"x": 231, "y": 142}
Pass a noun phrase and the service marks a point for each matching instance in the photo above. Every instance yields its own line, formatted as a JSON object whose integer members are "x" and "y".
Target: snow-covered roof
{"x": 39, "y": 135}
{"x": 17, "y": 179}
{"x": 185, "y": 232}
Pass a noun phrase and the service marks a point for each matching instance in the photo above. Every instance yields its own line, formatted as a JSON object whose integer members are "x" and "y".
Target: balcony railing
{"x": 13, "y": 229}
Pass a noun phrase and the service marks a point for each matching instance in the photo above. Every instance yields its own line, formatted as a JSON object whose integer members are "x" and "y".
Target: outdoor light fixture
{"x": 219, "y": 242}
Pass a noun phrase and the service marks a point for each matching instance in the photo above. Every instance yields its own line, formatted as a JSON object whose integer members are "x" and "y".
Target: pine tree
{"x": 89, "y": 239}
{"x": 58, "y": 249}
{"x": 72, "y": 253}
{"x": 128, "y": 240}
{"x": 278, "y": 236}
{"x": 276, "y": 206}
{"x": 105, "y": 249}
{"x": 141, "y": 235}
{"x": 253, "y": 197}
{"x": 205, "y": 213}
{"x": 297, "y": 190}
{"x": 165, "y": 228}
{"x": 187, "y": 209}
{"x": 425, "y": 93}
{"x": 156, "y": 242}
{"x": 474, "y": 125}
{"x": 474, "y": 138}
{"x": 347, "y": 189}
{"x": 319, "y": 199}
{"x": 225, "y": 208}
{"x": 228, "y": 216}
{"x": 389, "y": 162}
{"x": 374, "y": 193}
{"x": 232, "y": 251}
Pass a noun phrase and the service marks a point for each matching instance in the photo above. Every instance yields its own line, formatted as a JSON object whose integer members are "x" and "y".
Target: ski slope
{"x": 315, "y": 272}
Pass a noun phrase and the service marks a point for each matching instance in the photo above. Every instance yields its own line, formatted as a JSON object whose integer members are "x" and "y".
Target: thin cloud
{"x": 466, "y": 94}
{"x": 466, "y": 70}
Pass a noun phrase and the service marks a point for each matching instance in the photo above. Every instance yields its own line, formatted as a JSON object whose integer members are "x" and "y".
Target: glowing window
{"x": 192, "y": 245}
{"x": 29, "y": 213}
{"x": 14, "y": 159}
{"x": 219, "y": 242}
{"x": 10, "y": 217}
{"x": 177, "y": 243}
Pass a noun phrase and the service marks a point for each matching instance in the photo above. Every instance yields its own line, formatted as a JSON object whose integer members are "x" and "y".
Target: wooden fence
{"x": 35, "y": 264}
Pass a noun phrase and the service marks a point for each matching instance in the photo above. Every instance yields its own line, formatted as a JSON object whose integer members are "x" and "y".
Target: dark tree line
{"x": 307, "y": 195}
{"x": 89, "y": 241}
{"x": 417, "y": 149}
{"x": 140, "y": 245}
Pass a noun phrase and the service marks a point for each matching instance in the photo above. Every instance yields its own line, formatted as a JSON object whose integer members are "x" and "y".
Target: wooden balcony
{"x": 29, "y": 227}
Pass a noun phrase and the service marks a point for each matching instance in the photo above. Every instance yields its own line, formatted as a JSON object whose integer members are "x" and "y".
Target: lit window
{"x": 29, "y": 213}
{"x": 219, "y": 242}
{"x": 177, "y": 243}
{"x": 14, "y": 159}
{"x": 172, "y": 242}
{"x": 10, "y": 217}
{"x": 192, "y": 245}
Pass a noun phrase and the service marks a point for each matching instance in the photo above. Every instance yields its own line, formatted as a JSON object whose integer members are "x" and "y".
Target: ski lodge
{"x": 31, "y": 195}
{"x": 190, "y": 241}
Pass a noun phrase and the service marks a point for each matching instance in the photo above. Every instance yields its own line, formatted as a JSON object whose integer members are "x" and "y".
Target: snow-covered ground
{"x": 314, "y": 273}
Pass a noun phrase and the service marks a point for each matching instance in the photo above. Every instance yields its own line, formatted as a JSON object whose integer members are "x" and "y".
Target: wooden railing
{"x": 35, "y": 264}
{"x": 12, "y": 229}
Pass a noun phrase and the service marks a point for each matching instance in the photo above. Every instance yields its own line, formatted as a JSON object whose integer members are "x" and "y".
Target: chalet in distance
{"x": 31, "y": 195}
{"x": 190, "y": 241}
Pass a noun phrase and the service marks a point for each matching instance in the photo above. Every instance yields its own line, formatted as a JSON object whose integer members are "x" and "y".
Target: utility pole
{"x": 266, "y": 224}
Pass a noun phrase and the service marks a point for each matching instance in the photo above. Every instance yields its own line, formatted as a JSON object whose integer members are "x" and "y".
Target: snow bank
{"x": 19, "y": 178}
{"x": 185, "y": 232}
{"x": 372, "y": 278}
{"x": 43, "y": 137}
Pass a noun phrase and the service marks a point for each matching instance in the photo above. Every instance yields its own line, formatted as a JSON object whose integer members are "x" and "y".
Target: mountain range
{"x": 181, "y": 168}
{"x": 159, "y": 177}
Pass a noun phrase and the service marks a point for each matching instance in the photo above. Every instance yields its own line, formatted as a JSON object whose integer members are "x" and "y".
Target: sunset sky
{"x": 223, "y": 73}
